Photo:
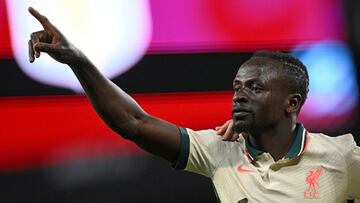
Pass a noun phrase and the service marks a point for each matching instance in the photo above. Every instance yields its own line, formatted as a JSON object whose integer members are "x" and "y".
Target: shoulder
{"x": 207, "y": 132}
{"x": 205, "y": 151}
{"x": 341, "y": 144}
{"x": 333, "y": 141}
{"x": 209, "y": 137}
{"x": 210, "y": 142}
{"x": 205, "y": 136}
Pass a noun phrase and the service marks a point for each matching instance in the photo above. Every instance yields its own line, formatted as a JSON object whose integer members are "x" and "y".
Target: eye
{"x": 236, "y": 88}
{"x": 255, "y": 88}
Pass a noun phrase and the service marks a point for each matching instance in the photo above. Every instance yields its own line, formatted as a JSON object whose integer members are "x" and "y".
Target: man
{"x": 279, "y": 160}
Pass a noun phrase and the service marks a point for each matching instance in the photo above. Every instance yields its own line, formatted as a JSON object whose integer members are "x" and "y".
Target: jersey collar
{"x": 296, "y": 149}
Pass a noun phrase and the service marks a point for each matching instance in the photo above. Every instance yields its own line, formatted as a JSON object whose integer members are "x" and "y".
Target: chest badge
{"x": 312, "y": 180}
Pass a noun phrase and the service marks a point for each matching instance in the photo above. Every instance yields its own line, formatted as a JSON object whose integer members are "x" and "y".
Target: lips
{"x": 239, "y": 109}
{"x": 240, "y": 112}
{"x": 240, "y": 115}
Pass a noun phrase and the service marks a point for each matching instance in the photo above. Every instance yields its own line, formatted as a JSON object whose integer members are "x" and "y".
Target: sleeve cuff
{"x": 182, "y": 159}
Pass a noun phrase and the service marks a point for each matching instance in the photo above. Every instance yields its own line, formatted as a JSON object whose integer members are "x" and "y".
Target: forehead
{"x": 259, "y": 68}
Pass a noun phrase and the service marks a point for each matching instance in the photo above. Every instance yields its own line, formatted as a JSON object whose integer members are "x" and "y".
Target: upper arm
{"x": 156, "y": 136}
{"x": 197, "y": 151}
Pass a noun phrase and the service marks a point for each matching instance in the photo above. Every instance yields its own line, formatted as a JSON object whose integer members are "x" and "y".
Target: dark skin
{"x": 270, "y": 120}
{"x": 119, "y": 111}
{"x": 263, "y": 107}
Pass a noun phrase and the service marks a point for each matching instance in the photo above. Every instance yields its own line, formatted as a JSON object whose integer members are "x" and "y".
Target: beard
{"x": 243, "y": 126}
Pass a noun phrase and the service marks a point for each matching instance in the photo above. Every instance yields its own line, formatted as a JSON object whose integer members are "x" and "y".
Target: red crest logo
{"x": 312, "y": 179}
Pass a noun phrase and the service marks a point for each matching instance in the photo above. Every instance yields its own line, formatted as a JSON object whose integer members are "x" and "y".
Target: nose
{"x": 240, "y": 97}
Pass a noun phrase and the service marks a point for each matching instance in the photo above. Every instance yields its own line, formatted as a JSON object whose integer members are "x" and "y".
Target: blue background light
{"x": 333, "y": 81}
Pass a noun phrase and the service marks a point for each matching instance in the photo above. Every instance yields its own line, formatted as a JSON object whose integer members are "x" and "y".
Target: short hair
{"x": 294, "y": 69}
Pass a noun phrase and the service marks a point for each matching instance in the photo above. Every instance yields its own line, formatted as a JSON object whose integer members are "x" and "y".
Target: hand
{"x": 51, "y": 41}
{"x": 227, "y": 131}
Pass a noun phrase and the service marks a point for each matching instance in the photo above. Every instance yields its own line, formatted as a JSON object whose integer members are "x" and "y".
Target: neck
{"x": 276, "y": 140}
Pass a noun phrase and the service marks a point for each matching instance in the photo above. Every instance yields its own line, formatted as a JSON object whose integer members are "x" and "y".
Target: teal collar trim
{"x": 296, "y": 149}
{"x": 298, "y": 145}
{"x": 252, "y": 151}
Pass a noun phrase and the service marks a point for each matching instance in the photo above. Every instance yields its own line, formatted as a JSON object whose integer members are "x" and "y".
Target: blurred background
{"x": 178, "y": 60}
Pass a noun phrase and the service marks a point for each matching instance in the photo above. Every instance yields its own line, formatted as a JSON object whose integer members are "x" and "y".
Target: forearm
{"x": 119, "y": 111}
{"x": 115, "y": 107}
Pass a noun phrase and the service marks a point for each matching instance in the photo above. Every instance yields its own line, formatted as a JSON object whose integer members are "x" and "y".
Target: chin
{"x": 243, "y": 126}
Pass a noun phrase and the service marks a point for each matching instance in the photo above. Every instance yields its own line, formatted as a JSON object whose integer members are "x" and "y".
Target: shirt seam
{"x": 222, "y": 159}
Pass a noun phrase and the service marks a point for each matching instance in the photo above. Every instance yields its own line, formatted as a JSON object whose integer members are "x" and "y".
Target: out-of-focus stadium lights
{"x": 113, "y": 34}
{"x": 333, "y": 94}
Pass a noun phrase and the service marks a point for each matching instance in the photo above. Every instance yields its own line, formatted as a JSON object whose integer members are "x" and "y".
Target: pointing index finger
{"x": 42, "y": 19}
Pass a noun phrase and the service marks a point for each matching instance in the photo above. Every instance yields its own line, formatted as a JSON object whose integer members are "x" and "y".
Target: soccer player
{"x": 279, "y": 160}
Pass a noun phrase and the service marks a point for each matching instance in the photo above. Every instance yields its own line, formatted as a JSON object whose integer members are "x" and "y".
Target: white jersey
{"x": 318, "y": 168}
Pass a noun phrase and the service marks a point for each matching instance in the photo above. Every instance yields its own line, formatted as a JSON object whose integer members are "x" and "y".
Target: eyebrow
{"x": 247, "y": 81}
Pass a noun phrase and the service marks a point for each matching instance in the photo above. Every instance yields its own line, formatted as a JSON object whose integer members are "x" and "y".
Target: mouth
{"x": 240, "y": 115}
{"x": 237, "y": 109}
{"x": 239, "y": 112}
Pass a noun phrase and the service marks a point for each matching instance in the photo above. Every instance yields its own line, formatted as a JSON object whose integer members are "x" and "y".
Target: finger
{"x": 35, "y": 38}
{"x": 240, "y": 137}
{"x": 46, "y": 47}
{"x": 229, "y": 132}
{"x": 234, "y": 137}
{"x": 226, "y": 138}
{"x": 221, "y": 129}
{"x": 42, "y": 19}
{"x": 31, "y": 52}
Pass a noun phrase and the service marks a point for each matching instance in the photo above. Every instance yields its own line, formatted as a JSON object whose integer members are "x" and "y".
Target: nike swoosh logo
{"x": 242, "y": 170}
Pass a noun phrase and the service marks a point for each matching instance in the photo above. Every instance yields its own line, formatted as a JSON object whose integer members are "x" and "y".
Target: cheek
{"x": 276, "y": 107}
{"x": 270, "y": 108}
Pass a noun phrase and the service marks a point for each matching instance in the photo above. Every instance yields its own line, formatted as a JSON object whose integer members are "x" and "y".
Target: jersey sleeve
{"x": 200, "y": 151}
{"x": 353, "y": 164}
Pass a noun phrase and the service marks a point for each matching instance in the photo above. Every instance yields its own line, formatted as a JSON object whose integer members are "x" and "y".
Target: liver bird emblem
{"x": 312, "y": 180}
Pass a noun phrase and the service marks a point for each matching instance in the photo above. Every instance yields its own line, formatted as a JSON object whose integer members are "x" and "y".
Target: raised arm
{"x": 119, "y": 111}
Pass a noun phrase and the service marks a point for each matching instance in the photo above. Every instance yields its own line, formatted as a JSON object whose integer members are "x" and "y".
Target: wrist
{"x": 80, "y": 60}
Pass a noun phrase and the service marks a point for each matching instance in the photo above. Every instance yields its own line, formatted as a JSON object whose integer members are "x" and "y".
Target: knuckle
{"x": 35, "y": 35}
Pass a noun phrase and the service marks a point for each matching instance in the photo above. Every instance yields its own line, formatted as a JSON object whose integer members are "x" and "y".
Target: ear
{"x": 293, "y": 103}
